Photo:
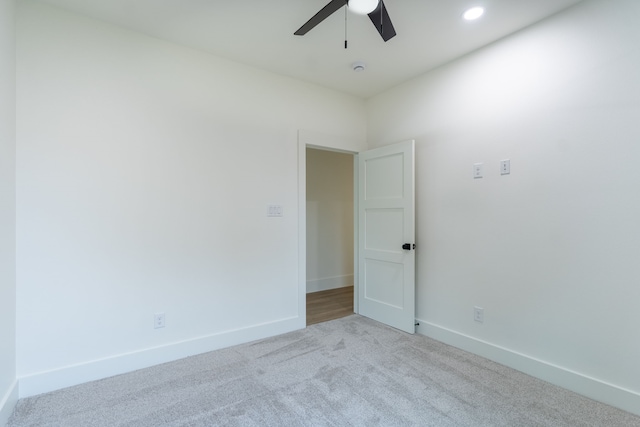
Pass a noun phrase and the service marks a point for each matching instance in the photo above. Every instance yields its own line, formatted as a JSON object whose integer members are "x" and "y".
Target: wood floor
{"x": 328, "y": 305}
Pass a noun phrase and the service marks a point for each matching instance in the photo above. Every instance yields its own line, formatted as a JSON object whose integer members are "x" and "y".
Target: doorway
{"x": 329, "y": 235}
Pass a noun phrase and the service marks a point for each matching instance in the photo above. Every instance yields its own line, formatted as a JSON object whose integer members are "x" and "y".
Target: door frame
{"x": 302, "y": 223}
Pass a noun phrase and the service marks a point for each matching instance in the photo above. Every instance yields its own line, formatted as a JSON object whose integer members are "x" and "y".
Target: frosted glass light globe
{"x": 363, "y": 7}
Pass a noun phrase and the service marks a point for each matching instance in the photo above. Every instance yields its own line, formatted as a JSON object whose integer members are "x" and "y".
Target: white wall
{"x": 143, "y": 178}
{"x": 329, "y": 220}
{"x": 8, "y": 384}
{"x": 551, "y": 251}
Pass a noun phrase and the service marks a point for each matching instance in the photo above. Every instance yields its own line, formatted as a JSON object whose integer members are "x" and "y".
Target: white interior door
{"x": 386, "y": 221}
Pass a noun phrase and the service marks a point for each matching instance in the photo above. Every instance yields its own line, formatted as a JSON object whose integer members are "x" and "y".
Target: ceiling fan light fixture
{"x": 363, "y": 7}
{"x": 473, "y": 13}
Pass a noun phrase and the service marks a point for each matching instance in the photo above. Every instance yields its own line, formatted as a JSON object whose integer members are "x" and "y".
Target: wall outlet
{"x": 158, "y": 320}
{"x": 478, "y": 314}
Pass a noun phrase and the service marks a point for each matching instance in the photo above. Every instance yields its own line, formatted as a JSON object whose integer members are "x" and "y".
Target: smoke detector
{"x": 358, "y": 67}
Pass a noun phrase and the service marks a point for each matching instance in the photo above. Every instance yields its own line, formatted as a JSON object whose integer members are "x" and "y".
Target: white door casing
{"x": 386, "y": 222}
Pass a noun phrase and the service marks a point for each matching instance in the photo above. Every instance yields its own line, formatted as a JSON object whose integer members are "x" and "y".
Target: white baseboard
{"x": 44, "y": 382}
{"x": 327, "y": 283}
{"x": 8, "y": 403}
{"x": 601, "y": 391}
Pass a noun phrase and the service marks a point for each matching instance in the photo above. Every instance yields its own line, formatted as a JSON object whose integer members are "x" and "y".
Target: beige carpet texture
{"x": 347, "y": 372}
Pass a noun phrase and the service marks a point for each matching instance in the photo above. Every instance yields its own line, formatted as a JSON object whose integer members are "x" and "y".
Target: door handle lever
{"x": 408, "y": 246}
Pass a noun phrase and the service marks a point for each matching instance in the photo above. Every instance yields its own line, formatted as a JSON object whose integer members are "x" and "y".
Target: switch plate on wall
{"x": 275, "y": 210}
{"x": 477, "y": 170}
{"x": 505, "y": 167}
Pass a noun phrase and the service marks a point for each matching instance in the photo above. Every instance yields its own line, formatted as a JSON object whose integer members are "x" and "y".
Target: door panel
{"x": 384, "y": 177}
{"x": 384, "y": 230}
{"x": 386, "y": 285}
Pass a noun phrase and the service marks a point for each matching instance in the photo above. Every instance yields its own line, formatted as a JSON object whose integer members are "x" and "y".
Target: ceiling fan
{"x": 374, "y": 8}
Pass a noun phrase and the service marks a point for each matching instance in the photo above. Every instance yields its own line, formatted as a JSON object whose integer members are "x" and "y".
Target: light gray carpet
{"x": 347, "y": 372}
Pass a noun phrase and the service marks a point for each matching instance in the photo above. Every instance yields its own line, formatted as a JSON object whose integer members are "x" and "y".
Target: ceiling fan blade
{"x": 382, "y": 22}
{"x": 324, "y": 13}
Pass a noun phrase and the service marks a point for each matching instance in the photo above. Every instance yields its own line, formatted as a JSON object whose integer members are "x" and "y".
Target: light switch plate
{"x": 477, "y": 170}
{"x": 505, "y": 167}
{"x": 275, "y": 211}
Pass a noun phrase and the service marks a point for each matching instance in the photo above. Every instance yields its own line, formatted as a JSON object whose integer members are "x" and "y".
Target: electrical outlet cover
{"x": 478, "y": 314}
{"x": 158, "y": 320}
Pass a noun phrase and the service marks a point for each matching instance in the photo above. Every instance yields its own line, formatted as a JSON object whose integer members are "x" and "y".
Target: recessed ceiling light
{"x": 473, "y": 13}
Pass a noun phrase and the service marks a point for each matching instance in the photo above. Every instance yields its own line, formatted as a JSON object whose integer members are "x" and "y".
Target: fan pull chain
{"x": 345, "y": 26}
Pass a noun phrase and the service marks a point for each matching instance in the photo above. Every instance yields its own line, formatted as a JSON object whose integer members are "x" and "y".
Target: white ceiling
{"x": 260, "y": 33}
